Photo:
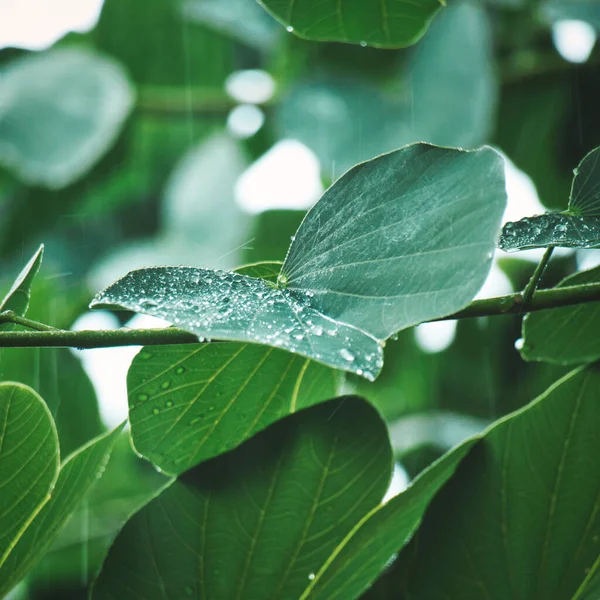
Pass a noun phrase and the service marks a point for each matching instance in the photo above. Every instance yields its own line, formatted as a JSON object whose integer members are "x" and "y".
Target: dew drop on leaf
{"x": 346, "y": 355}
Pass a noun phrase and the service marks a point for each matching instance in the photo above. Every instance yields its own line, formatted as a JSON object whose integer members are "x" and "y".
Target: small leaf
{"x": 383, "y": 25}
{"x": 551, "y": 229}
{"x": 79, "y": 472}
{"x": 520, "y": 518}
{"x": 29, "y": 461}
{"x": 59, "y": 113}
{"x": 186, "y": 403}
{"x": 578, "y": 227}
{"x": 17, "y": 299}
{"x": 227, "y": 306}
{"x": 269, "y": 271}
{"x": 404, "y": 238}
{"x": 567, "y": 335}
{"x": 257, "y": 522}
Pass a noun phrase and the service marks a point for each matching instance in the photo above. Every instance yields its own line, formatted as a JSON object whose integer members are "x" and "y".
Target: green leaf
{"x": 551, "y": 229}
{"x": 227, "y": 306}
{"x": 520, "y": 517}
{"x": 79, "y": 472}
{"x": 401, "y": 239}
{"x": 385, "y": 25}
{"x": 578, "y": 227}
{"x": 568, "y": 335}
{"x": 243, "y": 20}
{"x": 269, "y": 270}
{"x": 364, "y": 553}
{"x": 257, "y": 522}
{"x": 60, "y": 111}
{"x": 190, "y": 403}
{"x": 29, "y": 461}
{"x": 17, "y": 299}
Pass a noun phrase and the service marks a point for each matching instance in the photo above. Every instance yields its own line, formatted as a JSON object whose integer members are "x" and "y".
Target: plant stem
{"x": 9, "y": 316}
{"x": 535, "y": 278}
{"x": 503, "y": 305}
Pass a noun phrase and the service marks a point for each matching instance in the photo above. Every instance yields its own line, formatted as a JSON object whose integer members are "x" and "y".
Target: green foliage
{"x": 186, "y": 403}
{"x": 260, "y": 450}
{"x": 520, "y": 517}
{"x": 357, "y": 270}
{"x": 565, "y": 336}
{"x": 578, "y": 227}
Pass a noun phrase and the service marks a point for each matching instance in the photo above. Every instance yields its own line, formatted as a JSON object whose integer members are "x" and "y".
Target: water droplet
{"x": 142, "y": 397}
{"x": 293, "y": 237}
{"x": 363, "y": 44}
{"x": 290, "y": 29}
{"x": 145, "y": 355}
{"x": 169, "y": 404}
{"x": 311, "y": 576}
{"x": 317, "y": 330}
{"x": 519, "y": 344}
{"x": 560, "y": 228}
{"x": 165, "y": 385}
{"x": 148, "y": 304}
{"x": 346, "y": 355}
{"x": 282, "y": 281}
{"x": 179, "y": 370}
{"x": 155, "y": 411}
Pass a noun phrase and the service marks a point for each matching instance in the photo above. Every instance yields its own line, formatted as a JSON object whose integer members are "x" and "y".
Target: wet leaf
{"x": 285, "y": 498}
{"x": 568, "y": 335}
{"x": 17, "y": 299}
{"x": 519, "y": 519}
{"x": 578, "y": 227}
{"x": 398, "y": 240}
{"x": 552, "y": 229}
{"x": 79, "y": 472}
{"x": 60, "y": 111}
{"x": 228, "y": 306}
{"x": 385, "y": 25}
{"x": 29, "y": 461}
{"x": 190, "y": 403}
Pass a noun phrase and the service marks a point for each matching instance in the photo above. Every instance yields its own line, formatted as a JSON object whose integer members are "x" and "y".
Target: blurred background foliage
{"x": 198, "y": 132}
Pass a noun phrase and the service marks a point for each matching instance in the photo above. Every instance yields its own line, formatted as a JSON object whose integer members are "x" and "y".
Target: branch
{"x": 512, "y": 304}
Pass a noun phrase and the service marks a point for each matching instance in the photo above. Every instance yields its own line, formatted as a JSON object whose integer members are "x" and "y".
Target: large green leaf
{"x": 257, "y": 522}
{"x": 578, "y": 227}
{"x": 520, "y": 518}
{"x": 565, "y": 336}
{"x": 403, "y": 238}
{"x": 400, "y": 239}
{"x": 59, "y": 113}
{"x": 388, "y": 24}
{"x": 17, "y": 299}
{"x": 190, "y": 403}
{"x": 29, "y": 461}
{"x": 77, "y": 475}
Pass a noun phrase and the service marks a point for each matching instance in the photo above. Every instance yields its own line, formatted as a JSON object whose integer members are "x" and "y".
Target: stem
{"x": 9, "y": 316}
{"x": 535, "y": 278}
{"x": 503, "y": 305}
